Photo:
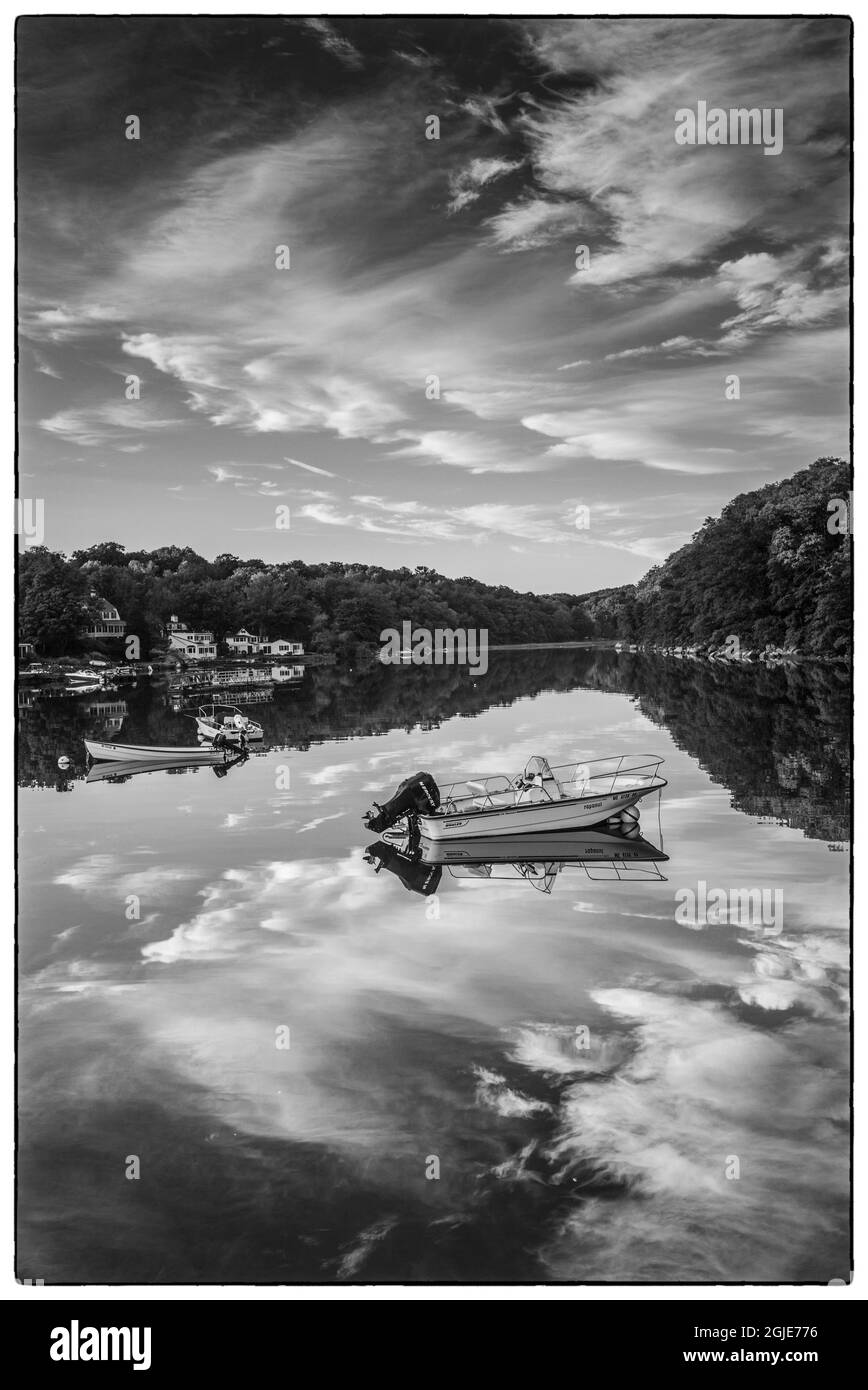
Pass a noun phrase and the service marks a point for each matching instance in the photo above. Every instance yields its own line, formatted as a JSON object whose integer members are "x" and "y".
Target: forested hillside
{"x": 773, "y": 569}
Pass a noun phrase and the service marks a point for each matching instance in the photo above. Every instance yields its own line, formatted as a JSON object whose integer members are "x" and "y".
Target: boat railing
{"x": 596, "y": 777}
{"x": 599, "y": 776}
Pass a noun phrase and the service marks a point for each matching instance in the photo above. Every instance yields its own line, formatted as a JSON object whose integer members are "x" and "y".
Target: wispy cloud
{"x": 110, "y": 423}
{"x": 311, "y": 468}
{"x": 433, "y": 324}
{"x": 333, "y": 42}
{"x": 467, "y": 185}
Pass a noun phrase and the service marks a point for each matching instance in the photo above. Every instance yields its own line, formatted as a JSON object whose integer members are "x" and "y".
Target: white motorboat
{"x": 538, "y": 799}
{"x": 84, "y": 681}
{"x": 213, "y": 719}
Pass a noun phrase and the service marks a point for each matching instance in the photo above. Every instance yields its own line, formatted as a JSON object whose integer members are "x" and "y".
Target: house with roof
{"x": 190, "y": 643}
{"x": 107, "y": 623}
{"x": 244, "y": 643}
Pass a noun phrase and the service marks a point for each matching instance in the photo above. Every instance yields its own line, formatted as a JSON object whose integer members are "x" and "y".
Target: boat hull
{"x": 140, "y": 753}
{"x": 534, "y": 817}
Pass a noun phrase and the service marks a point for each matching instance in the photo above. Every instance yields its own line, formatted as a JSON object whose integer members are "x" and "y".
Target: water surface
{"x": 173, "y": 927}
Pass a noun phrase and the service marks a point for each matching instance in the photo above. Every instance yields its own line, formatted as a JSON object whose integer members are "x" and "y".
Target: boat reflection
{"x": 600, "y": 854}
{"x": 123, "y": 771}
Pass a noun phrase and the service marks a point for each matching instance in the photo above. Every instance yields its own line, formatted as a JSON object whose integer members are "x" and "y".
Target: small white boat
{"x": 142, "y": 753}
{"x": 84, "y": 681}
{"x": 213, "y": 719}
{"x": 540, "y": 799}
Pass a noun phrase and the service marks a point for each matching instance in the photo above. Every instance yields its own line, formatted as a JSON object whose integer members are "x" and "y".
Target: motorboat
{"x": 539, "y": 799}
{"x": 213, "y": 719}
{"x": 150, "y": 753}
{"x": 617, "y": 853}
{"x": 85, "y": 677}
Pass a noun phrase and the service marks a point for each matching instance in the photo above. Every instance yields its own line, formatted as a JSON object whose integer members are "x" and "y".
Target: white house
{"x": 109, "y": 623}
{"x": 245, "y": 643}
{"x": 192, "y": 646}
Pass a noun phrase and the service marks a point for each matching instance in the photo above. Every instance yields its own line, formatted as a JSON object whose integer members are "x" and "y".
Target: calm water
{"x": 438, "y": 1031}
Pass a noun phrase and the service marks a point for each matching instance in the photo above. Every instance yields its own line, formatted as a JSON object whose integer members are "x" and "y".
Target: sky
{"x": 433, "y": 379}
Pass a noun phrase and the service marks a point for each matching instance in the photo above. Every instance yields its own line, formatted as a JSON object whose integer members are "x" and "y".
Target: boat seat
{"x": 485, "y": 803}
{"x": 544, "y": 789}
{"x": 576, "y": 789}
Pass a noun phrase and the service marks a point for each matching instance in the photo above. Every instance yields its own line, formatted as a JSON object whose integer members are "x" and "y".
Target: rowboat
{"x": 540, "y": 799}
{"x": 213, "y": 719}
{"x": 141, "y": 753}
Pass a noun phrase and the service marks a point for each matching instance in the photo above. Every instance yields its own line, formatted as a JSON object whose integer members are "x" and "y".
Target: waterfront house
{"x": 108, "y": 622}
{"x": 189, "y": 643}
{"x": 244, "y": 643}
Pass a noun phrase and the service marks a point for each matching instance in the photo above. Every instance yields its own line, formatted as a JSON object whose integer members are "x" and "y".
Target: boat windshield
{"x": 537, "y": 767}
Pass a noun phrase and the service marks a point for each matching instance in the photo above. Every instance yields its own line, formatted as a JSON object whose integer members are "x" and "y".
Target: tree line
{"x": 772, "y": 569}
{"x": 329, "y": 606}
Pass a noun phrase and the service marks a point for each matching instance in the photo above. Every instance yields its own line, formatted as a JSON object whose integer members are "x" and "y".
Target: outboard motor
{"x": 415, "y": 876}
{"x": 417, "y": 795}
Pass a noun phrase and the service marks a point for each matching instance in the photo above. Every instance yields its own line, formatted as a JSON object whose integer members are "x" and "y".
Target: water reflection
{"x": 778, "y": 738}
{"x": 537, "y": 860}
{"x": 581, "y": 1064}
{"x": 121, "y": 771}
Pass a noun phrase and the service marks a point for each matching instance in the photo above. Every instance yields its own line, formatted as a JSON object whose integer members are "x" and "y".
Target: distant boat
{"x": 140, "y": 753}
{"x": 538, "y": 799}
{"x": 83, "y": 679}
{"x": 213, "y": 719}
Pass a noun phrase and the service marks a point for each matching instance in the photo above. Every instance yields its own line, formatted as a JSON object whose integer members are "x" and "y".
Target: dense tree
{"x": 54, "y": 601}
{"x": 768, "y": 570}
